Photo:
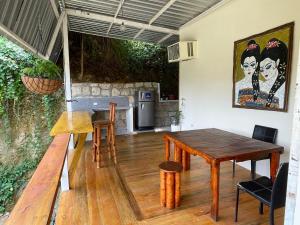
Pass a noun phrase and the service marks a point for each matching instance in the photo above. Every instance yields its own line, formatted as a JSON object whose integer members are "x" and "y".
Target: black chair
{"x": 267, "y": 192}
{"x": 261, "y": 133}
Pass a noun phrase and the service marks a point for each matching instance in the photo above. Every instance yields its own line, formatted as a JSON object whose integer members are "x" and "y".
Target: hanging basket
{"x": 41, "y": 86}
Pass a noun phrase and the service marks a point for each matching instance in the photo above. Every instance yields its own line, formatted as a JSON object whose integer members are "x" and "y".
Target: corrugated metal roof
{"x": 155, "y": 21}
{"x": 23, "y": 18}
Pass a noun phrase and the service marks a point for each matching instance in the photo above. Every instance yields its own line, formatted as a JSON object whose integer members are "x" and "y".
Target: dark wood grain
{"x": 217, "y": 146}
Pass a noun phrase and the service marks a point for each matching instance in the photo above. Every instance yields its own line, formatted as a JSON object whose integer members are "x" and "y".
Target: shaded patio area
{"x": 128, "y": 193}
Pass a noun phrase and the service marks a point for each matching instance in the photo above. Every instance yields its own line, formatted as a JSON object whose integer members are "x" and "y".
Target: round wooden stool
{"x": 170, "y": 184}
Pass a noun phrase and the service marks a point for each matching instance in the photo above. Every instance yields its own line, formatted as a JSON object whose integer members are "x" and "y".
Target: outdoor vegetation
{"x": 100, "y": 60}
{"x": 25, "y": 120}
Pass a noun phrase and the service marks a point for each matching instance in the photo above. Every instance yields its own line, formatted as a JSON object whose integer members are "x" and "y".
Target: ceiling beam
{"x": 15, "y": 38}
{"x": 164, "y": 38}
{"x": 55, "y": 33}
{"x": 161, "y": 11}
{"x": 206, "y": 13}
{"x": 54, "y": 7}
{"x": 110, "y": 19}
{"x": 116, "y": 14}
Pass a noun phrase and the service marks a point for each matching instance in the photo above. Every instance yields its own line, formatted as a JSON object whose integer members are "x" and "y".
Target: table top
{"x": 220, "y": 145}
{"x": 73, "y": 122}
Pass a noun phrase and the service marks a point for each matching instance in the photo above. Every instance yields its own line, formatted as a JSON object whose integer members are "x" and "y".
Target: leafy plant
{"x": 25, "y": 120}
{"x": 44, "y": 69}
{"x": 175, "y": 120}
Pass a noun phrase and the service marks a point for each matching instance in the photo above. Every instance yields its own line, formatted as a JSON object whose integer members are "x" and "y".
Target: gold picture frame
{"x": 261, "y": 69}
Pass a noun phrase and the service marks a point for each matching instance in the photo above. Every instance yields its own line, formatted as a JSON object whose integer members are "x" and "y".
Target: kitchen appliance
{"x": 145, "y": 104}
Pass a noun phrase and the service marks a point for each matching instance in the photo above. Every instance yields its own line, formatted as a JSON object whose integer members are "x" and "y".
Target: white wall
{"x": 206, "y": 82}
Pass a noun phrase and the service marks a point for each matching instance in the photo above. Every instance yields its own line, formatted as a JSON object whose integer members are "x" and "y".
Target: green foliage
{"x": 177, "y": 117}
{"x": 25, "y": 120}
{"x": 12, "y": 178}
{"x": 112, "y": 60}
{"x": 44, "y": 69}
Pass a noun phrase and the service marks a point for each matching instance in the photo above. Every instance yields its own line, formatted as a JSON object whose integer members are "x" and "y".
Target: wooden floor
{"x": 129, "y": 193}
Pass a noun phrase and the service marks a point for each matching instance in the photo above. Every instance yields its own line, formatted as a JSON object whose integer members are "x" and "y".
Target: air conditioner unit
{"x": 183, "y": 50}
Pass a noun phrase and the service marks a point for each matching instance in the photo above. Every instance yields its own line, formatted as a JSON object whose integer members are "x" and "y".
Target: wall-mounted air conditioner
{"x": 183, "y": 50}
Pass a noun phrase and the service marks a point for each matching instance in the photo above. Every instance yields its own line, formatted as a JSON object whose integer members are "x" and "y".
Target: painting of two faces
{"x": 261, "y": 70}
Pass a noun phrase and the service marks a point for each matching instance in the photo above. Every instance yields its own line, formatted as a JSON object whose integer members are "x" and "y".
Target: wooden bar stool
{"x": 170, "y": 184}
{"x": 109, "y": 125}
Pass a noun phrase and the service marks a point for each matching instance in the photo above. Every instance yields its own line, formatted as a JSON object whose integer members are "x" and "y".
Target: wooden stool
{"x": 181, "y": 156}
{"x": 109, "y": 125}
{"x": 170, "y": 184}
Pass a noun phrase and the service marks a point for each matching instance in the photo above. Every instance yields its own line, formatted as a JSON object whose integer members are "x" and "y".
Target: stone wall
{"x": 163, "y": 110}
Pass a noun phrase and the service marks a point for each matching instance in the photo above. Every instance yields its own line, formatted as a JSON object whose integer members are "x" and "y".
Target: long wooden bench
{"x": 36, "y": 204}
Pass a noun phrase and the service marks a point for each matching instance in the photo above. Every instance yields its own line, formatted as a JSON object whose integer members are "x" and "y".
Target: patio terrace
{"x": 128, "y": 192}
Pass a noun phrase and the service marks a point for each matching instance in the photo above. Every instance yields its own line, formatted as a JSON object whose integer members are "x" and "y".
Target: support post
{"x": 67, "y": 76}
{"x": 129, "y": 119}
{"x": 64, "y": 180}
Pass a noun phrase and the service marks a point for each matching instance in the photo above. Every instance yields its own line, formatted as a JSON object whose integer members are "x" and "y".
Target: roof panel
{"x": 24, "y": 18}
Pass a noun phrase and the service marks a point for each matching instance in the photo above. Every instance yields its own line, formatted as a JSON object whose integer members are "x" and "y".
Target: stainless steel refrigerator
{"x": 145, "y": 109}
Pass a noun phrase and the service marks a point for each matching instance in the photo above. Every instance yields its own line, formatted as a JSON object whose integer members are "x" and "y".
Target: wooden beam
{"x": 15, "y": 38}
{"x": 110, "y": 19}
{"x": 36, "y": 203}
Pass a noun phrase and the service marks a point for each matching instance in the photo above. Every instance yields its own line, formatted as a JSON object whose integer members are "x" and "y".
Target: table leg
{"x": 99, "y": 148}
{"x": 215, "y": 180}
{"x": 274, "y": 164}
{"x": 167, "y": 149}
{"x": 178, "y": 154}
{"x": 184, "y": 160}
{"x": 188, "y": 161}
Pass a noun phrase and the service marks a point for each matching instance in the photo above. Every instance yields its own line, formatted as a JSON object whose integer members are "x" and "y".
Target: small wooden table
{"x": 216, "y": 146}
{"x": 79, "y": 124}
{"x": 73, "y": 122}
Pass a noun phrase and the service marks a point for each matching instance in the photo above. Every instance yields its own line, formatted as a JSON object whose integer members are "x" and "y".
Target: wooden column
{"x": 167, "y": 149}
{"x": 162, "y": 188}
{"x": 184, "y": 160}
{"x": 274, "y": 164}
{"x": 170, "y": 192}
{"x": 178, "y": 154}
{"x": 98, "y": 147}
{"x": 215, "y": 180}
{"x": 177, "y": 189}
{"x": 188, "y": 161}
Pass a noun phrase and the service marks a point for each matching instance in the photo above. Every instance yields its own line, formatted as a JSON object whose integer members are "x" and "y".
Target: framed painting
{"x": 261, "y": 69}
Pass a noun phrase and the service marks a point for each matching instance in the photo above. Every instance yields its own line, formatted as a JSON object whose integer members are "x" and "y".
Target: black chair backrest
{"x": 266, "y": 134}
{"x": 279, "y": 187}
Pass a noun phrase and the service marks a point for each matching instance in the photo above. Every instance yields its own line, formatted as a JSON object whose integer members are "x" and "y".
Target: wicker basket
{"x": 41, "y": 86}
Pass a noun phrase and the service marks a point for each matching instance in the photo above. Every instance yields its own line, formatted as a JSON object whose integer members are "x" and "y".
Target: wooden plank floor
{"x": 129, "y": 194}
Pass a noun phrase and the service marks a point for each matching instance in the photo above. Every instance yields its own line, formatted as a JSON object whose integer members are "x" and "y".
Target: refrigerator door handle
{"x": 142, "y": 106}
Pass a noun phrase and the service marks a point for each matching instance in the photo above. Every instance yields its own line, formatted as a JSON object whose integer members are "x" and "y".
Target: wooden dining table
{"x": 216, "y": 146}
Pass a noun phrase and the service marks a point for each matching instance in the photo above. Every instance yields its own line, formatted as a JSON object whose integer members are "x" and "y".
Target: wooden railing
{"x": 36, "y": 204}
